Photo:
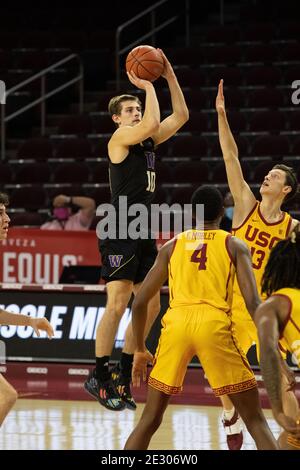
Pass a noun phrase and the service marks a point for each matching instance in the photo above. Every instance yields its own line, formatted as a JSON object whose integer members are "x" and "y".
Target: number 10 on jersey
{"x": 151, "y": 181}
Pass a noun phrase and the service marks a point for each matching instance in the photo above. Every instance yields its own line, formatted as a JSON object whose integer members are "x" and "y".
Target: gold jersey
{"x": 260, "y": 237}
{"x": 201, "y": 270}
{"x": 290, "y": 332}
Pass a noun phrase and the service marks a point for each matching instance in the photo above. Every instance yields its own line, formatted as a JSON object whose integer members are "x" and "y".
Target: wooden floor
{"x": 85, "y": 425}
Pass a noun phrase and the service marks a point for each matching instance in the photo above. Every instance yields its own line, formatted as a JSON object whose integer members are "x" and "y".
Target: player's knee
{"x": 10, "y": 397}
{"x": 117, "y": 308}
{"x": 152, "y": 421}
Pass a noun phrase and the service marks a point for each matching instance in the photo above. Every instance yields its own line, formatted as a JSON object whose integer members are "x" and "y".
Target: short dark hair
{"x": 290, "y": 179}
{"x": 283, "y": 266}
{"x": 4, "y": 199}
{"x": 115, "y": 104}
{"x": 212, "y": 199}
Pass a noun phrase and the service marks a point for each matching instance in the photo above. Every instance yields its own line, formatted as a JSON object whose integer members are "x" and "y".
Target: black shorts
{"x": 127, "y": 259}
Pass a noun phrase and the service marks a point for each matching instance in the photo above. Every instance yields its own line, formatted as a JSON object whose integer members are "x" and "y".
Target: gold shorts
{"x": 244, "y": 327}
{"x": 206, "y": 332}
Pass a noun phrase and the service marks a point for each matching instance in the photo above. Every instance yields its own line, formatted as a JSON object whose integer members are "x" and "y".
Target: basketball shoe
{"x": 122, "y": 385}
{"x": 234, "y": 431}
{"x": 105, "y": 392}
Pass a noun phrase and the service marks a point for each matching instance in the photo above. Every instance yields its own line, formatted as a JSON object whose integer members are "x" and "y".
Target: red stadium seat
{"x": 294, "y": 120}
{"x": 103, "y": 123}
{"x": 6, "y": 173}
{"x": 193, "y": 78}
{"x": 182, "y": 195}
{"x": 74, "y": 148}
{"x": 228, "y": 54}
{"x": 73, "y": 172}
{"x": 77, "y": 124}
{"x": 260, "y": 53}
{"x": 222, "y": 34}
{"x": 267, "y": 121}
{"x": 220, "y": 176}
{"x": 232, "y": 76}
{"x": 189, "y": 146}
{"x": 265, "y": 98}
{"x": 38, "y": 172}
{"x": 271, "y": 145}
{"x": 262, "y": 75}
{"x": 29, "y": 198}
{"x": 191, "y": 172}
{"x": 259, "y": 32}
{"x": 36, "y": 148}
{"x": 31, "y": 219}
{"x": 198, "y": 122}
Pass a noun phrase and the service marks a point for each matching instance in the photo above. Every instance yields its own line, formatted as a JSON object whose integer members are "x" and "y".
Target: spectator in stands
{"x": 226, "y": 222}
{"x": 66, "y": 215}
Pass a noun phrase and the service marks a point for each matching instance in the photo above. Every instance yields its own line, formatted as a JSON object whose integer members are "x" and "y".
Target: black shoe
{"x": 104, "y": 392}
{"x": 122, "y": 385}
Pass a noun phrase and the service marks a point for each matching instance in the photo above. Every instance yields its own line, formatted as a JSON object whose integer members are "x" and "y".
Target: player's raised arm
{"x": 244, "y": 198}
{"x": 180, "y": 113}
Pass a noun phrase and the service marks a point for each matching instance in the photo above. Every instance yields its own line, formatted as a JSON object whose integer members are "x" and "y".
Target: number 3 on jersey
{"x": 199, "y": 256}
{"x": 151, "y": 181}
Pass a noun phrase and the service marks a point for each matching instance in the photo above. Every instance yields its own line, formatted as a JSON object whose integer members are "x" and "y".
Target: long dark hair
{"x": 283, "y": 266}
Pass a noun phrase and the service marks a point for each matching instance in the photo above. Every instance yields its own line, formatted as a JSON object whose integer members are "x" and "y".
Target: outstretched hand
{"x": 139, "y": 368}
{"x": 138, "y": 82}
{"x": 220, "y": 101}
{"x": 168, "y": 71}
{"x": 41, "y": 324}
{"x": 290, "y": 425}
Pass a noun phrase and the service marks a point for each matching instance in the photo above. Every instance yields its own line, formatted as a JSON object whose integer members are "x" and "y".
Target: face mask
{"x": 229, "y": 212}
{"x": 61, "y": 213}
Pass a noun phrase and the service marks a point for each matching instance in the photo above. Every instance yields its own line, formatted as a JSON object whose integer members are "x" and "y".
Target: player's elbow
{"x": 184, "y": 115}
{"x": 154, "y": 125}
{"x": 150, "y": 127}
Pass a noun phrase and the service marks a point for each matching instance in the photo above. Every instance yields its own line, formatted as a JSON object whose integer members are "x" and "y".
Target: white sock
{"x": 228, "y": 414}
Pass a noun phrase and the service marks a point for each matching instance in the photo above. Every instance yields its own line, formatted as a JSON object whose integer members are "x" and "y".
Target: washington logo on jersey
{"x": 115, "y": 260}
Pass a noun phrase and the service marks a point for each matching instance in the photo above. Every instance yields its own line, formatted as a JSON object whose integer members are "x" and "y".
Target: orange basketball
{"x": 146, "y": 62}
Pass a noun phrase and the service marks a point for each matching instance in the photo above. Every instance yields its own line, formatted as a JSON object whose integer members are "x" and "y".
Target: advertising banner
{"x": 34, "y": 256}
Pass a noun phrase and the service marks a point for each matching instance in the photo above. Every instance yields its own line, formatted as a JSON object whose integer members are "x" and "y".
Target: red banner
{"x": 38, "y": 256}
{"x": 34, "y": 256}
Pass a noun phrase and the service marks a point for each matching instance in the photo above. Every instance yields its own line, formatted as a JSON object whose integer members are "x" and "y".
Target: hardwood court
{"x": 85, "y": 425}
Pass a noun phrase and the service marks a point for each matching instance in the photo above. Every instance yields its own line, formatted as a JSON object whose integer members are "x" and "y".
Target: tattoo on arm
{"x": 270, "y": 367}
